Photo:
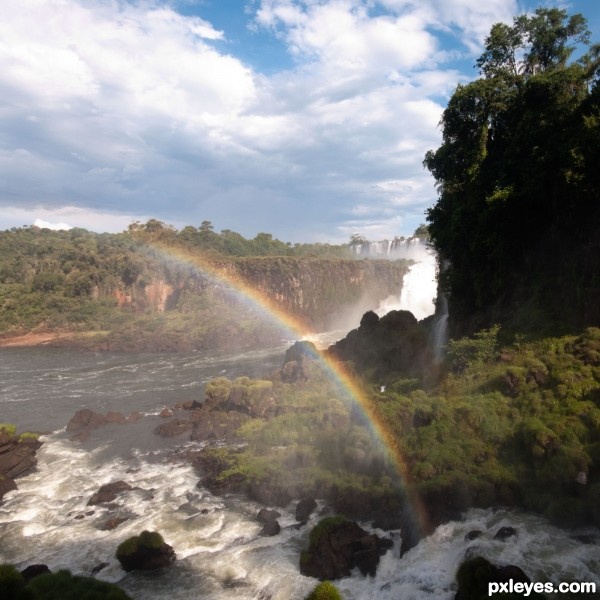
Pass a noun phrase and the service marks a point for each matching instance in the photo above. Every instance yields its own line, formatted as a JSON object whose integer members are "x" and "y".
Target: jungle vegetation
{"x": 518, "y": 212}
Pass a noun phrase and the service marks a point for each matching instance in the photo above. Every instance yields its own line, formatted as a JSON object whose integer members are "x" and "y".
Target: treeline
{"x": 518, "y": 175}
{"x": 230, "y": 243}
{"x": 68, "y": 278}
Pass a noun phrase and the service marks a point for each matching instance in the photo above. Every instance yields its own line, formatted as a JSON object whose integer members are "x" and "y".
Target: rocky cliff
{"x": 318, "y": 293}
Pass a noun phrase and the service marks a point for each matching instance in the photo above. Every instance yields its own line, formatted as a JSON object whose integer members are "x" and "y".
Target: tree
{"x": 514, "y": 170}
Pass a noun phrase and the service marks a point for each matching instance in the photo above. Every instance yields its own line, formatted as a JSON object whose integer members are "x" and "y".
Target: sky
{"x": 306, "y": 119}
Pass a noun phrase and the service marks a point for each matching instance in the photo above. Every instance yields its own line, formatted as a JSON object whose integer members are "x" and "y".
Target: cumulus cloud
{"x": 125, "y": 110}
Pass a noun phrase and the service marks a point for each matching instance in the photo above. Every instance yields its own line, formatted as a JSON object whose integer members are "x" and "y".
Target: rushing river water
{"x": 220, "y": 555}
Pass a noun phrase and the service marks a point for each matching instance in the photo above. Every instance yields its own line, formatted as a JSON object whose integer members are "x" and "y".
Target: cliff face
{"x": 318, "y": 293}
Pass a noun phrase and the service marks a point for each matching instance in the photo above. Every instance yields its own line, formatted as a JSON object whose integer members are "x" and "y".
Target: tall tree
{"x": 514, "y": 168}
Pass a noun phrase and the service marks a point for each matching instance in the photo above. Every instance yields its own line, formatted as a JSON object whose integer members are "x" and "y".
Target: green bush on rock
{"x": 324, "y": 591}
{"x": 145, "y": 552}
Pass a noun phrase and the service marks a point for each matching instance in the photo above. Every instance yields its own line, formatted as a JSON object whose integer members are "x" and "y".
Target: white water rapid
{"x": 220, "y": 555}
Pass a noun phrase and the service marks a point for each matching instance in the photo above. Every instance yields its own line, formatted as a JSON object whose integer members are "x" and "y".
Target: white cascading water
{"x": 419, "y": 287}
{"x": 440, "y": 329}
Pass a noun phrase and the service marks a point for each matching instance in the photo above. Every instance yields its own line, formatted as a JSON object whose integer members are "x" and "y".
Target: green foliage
{"x": 11, "y": 582}
{"x": 8, "y": 428}
{"x": 56, "y": 586}
{"x": 481, "y": 348}
{"x": 128, "y": 547}
{"x": 517, "y": 216}
{"x": 64, "y": 586}
{"x": 324, "y": 591}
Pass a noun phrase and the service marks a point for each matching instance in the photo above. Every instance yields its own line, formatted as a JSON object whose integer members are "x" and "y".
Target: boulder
{"x": 145, "y": 552}
{"x": 173, "y": 428}
{"x": 304, "y": 509}
{"x": 298, "y": 358}
{"x": 265, "y": 515}
{"x": 270, "y": 528}
{"x": 475, "y": 574}
{"x": 32, "y": 571}
{"x": 108, "y": 492}
{"x": 504, "y": 533}
{"x": 337, "y": 546}
{"x": 473, "y": 535}
{"x": 17, "y": 457}
{"x": 84, "y": 421}
{"x": 6, "y": 485}
{"x": 166, "y": 413}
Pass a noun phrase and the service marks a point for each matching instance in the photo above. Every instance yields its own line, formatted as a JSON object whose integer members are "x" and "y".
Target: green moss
{"x": 128, "y": 547}
{"x": 8, "y": 428}
{"x": 64, "y": 586}
{"x": 323, "y": 527}
{"x": 28, "y": 435}
{"x": 324, "y": 591}
{"x": 151, "y": 539}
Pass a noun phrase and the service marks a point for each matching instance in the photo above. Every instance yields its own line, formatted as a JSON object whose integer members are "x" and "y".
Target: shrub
{"x": 8, "y": 428}
{"x": 64, "y": 586}
{"x": 324, "y": 591}
{"x": 11, "y": 582}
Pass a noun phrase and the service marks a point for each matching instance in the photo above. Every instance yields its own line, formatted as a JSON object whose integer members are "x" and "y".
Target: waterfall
{"x": 419, "y": 287}
{"x": 440, "y": 329}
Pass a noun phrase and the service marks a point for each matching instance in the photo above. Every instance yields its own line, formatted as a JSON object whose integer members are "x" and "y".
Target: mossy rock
{"x": 322, "y": 528}
{"x": 145, "y": 552}
{"x": 324, "y": 591}
{"x": 8, "y": 429}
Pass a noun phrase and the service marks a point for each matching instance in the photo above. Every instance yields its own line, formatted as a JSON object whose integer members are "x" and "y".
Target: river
{"x": 220, "y": 554}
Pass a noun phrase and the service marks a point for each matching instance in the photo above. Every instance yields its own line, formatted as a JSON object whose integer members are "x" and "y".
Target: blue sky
{"x": 308, "y": 119}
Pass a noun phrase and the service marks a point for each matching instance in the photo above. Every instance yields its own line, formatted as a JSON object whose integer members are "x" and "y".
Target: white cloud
{"x": 65, "y": 217}
{"x": 48, "y": 225}
{"x": 123, "y": 110}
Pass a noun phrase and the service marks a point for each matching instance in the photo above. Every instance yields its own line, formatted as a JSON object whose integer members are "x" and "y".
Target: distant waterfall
{"x": 440, "y": 329}
{"x": 419, "y": 287}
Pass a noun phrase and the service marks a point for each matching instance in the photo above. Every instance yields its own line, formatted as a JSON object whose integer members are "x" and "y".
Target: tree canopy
{"x": 517, "y": 175}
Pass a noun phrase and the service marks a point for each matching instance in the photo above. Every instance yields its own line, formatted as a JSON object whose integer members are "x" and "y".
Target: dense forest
{"x": 518, "y": 172}
{"x": 156, "y": 288}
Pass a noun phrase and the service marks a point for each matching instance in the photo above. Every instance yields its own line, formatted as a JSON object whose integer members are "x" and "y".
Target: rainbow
{"x": 294, "y": 330}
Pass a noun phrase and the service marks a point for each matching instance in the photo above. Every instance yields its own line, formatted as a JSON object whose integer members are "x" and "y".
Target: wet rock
{"x": 338, "y": 546}
{"x": 115, "y": 417}
{"x": 6, "y": 485}
{"x": 297, "y": 362}
{"x": 475, "y": 574}
{"x": 84, "y": 421}
{"x": 166, "y": 413}
{"x": 145, "y": 552}
{"x": 265, "y": 515}
{"x": 270, "y": 528}
{"x": 99, "y": 568}
{"x": 113, "y": 521}
{"x": 304, "y": 509}
{"x": 108, "y": 492}
{"x": 473, "y": 535}
{"x": 134, "y": 417}
{"x": 33, "y": 571}
{"x": 191, "y": 405}
{"x": 504, "y": 533}
{"x": 173, "y": 428}
{"x": 17, "y": 457}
